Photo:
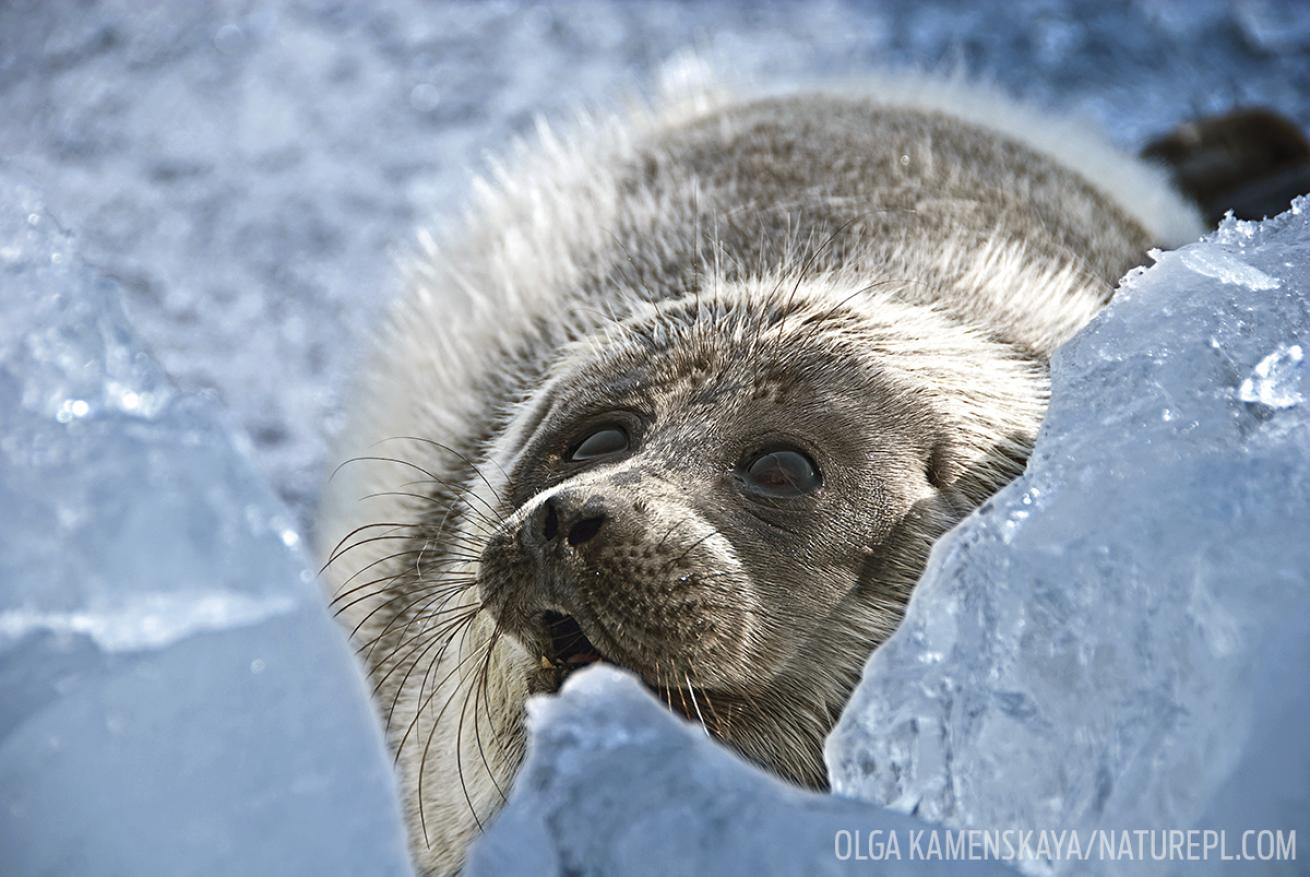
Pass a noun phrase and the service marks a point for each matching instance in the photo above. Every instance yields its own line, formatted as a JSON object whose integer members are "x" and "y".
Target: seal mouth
{"x": 568, "y": 649}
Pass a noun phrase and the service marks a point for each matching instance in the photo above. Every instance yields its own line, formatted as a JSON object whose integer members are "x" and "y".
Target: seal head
{"x": 731, "y": 496}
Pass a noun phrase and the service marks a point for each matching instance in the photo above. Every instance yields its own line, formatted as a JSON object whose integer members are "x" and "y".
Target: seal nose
{"x": 586, "y": 529}
{"x": 550, "y": 521}
{"x": 580, "y": 522}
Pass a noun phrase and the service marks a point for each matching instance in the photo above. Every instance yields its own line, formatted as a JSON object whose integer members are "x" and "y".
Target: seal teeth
{"x": 568, "y": 649}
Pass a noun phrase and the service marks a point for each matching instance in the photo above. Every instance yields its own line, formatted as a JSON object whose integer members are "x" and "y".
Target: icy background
{"x": 244, "y": 169}
{"x": 174, "y": 698}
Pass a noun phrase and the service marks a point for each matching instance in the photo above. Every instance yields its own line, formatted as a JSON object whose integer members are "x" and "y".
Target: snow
{"x": 1110, "y": 641}
{"x": 174, "y": 698}
{"x": 246, "y": 168}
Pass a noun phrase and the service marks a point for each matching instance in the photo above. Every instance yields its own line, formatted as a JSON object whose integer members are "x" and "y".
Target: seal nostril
{"x": 550, "y": 528}
{"x": 585, "y": 530}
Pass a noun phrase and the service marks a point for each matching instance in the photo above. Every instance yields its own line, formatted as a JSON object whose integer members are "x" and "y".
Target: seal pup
{"x": 693, "y": 389}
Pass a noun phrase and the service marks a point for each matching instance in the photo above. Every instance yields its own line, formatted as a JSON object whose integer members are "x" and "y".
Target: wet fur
{"x": 937, "y": 234}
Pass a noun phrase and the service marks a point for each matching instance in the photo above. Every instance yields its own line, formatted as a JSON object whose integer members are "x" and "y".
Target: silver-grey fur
{"x": 881, "y": 273}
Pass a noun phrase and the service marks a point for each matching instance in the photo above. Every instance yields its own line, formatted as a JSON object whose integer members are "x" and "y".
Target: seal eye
{"x": 783, "y": 472}
{"x": 604, "y": 442}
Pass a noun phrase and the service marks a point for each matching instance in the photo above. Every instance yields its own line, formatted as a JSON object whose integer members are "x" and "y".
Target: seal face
{"x": 694, "y": 395}
{"x": 691, "y": 515}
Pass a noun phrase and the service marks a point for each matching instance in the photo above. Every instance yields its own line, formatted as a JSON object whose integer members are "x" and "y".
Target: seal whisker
{"x": 455, "y": 586}
{"x": 815, "y": 254}
{"x": 459, "y": 736}
{"x": 459, "y": 768}
{"x": 484, "y": 526}
{"x": 446, "y": 562}
{"x": 441, "y": 639}
{"x": 428, "y": 636}
{"x": 435, "y": 479}
{"x": 333, "y": 554}
{"x": 692, "y": 692}
{"x": 419, "y": 647}
{"x": 363, "y": 542}
{"x": 714, "y": 716}
{"x": 449, "y": 588}
{"x": 496, "y": 734}
{"x": 690, "y": 548}
{"x": 450, "y": 560}
{"x": 462, "y": 458}
{"x": 379, "y": 562}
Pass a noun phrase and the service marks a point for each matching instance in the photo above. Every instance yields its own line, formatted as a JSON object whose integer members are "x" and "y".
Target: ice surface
{"x": 174, "y": 698}
{"x": 615, "y": 784}
{"x": 244, "y": 167}
{"x": 1119, "y": 639}
{"x": 1276, "y": 380}
{"x": 1226, "y": 268}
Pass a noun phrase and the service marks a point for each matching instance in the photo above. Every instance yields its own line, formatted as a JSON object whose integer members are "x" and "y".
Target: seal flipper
{"x": 1252, "y": 161}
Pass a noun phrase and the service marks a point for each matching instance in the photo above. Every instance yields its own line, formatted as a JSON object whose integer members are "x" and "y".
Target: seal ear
{"x": 944, "y": 471}
{"x": 964, "y": 479}
{"x": 940, "y": 471}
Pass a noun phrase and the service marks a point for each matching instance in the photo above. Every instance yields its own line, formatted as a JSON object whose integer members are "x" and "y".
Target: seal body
{"x": 692, "y": 389}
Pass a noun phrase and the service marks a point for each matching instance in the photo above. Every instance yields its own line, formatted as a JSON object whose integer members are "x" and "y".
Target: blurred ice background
{"x": 246, "y": 169}
{"x": 174, "y": 697}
